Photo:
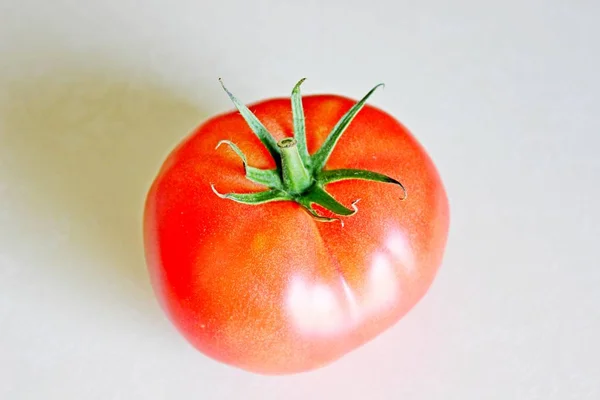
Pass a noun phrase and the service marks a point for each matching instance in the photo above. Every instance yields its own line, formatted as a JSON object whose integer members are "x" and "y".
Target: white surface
{"x": 504, "y": 95}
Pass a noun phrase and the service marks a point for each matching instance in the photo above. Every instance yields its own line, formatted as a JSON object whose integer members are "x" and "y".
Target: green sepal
{"x": 318, "y": 195}
{"x": 308, "y": 207}
{"x": 267, "y": 177}
{"x": 254, "y": 123}
{"x": 254, "y": 198}
{"x": 336, "y": 175}
{"x": 319, "y": 159}
{"x": 299, "y": 124}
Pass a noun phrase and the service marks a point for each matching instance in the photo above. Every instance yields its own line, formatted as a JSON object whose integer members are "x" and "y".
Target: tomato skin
{"x": 267, "y": 288}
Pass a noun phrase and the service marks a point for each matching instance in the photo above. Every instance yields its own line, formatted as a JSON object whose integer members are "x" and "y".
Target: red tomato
{"x": 285, "y": 275}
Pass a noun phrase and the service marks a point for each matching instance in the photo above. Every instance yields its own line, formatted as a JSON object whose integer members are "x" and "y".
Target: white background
{"x": 504, "y": 95}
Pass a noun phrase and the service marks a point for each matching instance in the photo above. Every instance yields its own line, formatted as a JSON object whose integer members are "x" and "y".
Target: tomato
{"x": 258, "y": 249}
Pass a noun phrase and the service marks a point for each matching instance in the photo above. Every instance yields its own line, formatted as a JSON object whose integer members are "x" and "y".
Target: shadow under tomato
{"x": 82, "y": 146}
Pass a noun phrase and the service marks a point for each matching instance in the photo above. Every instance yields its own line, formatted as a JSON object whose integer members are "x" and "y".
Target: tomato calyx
{"x": 300, "y": 176}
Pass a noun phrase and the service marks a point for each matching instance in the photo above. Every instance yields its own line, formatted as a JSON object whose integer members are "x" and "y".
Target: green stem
{"x": 296, "y": 177}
